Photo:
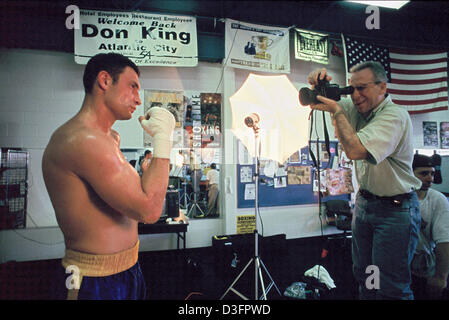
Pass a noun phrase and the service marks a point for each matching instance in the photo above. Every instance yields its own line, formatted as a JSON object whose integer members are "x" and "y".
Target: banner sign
{"x": 147, "y": 39}
{"x": 257, "y": 47}
{"x": 311, "y": 46}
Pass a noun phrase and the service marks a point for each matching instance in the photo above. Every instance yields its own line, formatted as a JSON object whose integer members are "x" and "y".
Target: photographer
{"x": 377, "y": 135}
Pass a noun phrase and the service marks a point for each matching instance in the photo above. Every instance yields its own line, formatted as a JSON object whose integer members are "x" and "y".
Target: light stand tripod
{"x": 196, "y": 190}
{"x": 184, "y": 205}
{"x": 253, "y": 123}
{"x": 184, "y": 183}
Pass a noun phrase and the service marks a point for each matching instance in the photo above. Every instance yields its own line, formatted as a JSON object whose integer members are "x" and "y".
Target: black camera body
{"x": 325, "y": 89}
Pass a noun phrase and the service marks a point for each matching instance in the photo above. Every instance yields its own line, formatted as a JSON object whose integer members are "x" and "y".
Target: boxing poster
{"x": 444, "y": 135}
{"x": 430, "y": 133}
{"x": 257, "y": 47}
{"x": 202, "y": 124}
{"x": 210, "y": 120}
{"x": 147, "y": 39}
{"x": 202, "y": 119}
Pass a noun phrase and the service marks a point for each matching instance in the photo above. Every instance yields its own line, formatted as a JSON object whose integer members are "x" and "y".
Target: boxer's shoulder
{"x": 76, "y": 141}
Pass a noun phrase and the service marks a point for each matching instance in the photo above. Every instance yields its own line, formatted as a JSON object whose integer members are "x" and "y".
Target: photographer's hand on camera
{"x": 327, "y": 104}
{"x": 318, "y": 73}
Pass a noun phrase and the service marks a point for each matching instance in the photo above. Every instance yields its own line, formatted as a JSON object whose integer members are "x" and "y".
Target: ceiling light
{"x": 385, "y": 4}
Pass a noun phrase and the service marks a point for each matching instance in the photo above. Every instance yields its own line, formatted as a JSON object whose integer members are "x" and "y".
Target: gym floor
{"x": 206, "y": 273}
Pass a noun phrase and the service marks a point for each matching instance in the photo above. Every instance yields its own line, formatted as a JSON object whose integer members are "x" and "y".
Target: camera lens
{"x": 307, "y": 96}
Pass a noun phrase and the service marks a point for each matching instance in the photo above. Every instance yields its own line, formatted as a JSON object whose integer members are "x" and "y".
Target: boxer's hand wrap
{"x": 159, "y": 124}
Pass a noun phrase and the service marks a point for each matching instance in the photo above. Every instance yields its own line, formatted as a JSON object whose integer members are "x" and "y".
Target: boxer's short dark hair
{"x": 112, "y": 63}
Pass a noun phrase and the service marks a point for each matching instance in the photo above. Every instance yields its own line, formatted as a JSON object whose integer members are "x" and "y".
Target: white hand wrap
{"x": 159, "y": 126}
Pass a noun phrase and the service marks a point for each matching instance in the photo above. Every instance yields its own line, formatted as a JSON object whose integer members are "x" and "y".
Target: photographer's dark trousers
{"x": 384, "y": 236}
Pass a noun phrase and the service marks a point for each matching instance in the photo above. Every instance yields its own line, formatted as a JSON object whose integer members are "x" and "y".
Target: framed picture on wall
{"x": 444, "y": 135}
{"x": 430, "y": 133}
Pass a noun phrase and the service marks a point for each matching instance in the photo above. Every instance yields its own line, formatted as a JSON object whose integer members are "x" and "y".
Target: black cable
{"x": 258, "y": 181}
{"x": 227, "y": 58}
{"x": 260, "y": 218}
{"x": 317, "y": 166}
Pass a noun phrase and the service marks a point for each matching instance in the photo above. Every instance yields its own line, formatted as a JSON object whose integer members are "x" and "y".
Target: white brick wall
{"x": 40, "y": 90}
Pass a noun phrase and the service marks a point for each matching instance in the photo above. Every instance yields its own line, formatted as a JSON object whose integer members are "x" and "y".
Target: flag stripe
{"x": 420, "y": 66}
{"x": 426, "y": 71}
{"x": 417, "y": 62}
{"x": 413, "y": 82}
{"x": 416, "y": 92}
{"x": 418, "y": 96}
{"x": 413, "y": 51}
{"x": 418, "y": 87}
{"x": 419, "y": 102}
{"x": 417, "y": 56}
{"x": 399, "y": 76}
{"x": 431, "y": 108}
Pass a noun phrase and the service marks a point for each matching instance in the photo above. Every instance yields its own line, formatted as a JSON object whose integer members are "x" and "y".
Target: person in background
{"x": 98, "y": 197}
{"x": 179, "y": 160}
{"x": 377, "y": 135}
{"x": 212, "y": 180}
{"x": 189, "y": 113}
{"x": 145, "y": 162}
{"x": 430, "y": 265}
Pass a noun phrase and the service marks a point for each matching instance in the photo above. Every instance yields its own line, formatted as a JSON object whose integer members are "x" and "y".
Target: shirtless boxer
{"x": 98, "y": 197}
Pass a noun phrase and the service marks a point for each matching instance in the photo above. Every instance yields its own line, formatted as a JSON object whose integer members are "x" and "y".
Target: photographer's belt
{"x": 397, "y": 199}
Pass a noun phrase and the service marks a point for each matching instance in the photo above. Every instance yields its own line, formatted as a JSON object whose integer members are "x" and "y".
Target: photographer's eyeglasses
{"x": 361, "y": 88}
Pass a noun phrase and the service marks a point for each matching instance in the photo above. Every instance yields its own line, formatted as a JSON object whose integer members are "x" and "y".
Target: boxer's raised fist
{"x": 159, "y": 123}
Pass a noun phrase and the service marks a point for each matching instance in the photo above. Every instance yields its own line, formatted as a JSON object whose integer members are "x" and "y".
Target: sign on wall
{"x": 246, "y": 224}
{"x": 430, "y": 134}
{"x": 311, "y": 46}
{"x": 147, "y": 39}
{"x": 257, "y": 47}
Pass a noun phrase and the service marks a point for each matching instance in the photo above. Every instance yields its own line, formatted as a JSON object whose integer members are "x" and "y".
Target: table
{"x": 162, "y": 227}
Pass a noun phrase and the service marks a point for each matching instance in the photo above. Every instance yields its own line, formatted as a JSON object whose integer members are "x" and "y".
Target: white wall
{"x": 40, "y": 90}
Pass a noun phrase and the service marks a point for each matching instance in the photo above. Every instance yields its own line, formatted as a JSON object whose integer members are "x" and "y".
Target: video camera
{"x": 325, "y": 89}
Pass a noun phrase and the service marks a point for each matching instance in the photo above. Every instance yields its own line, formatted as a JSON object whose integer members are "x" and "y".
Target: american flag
{"x": 417, "y": 78}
